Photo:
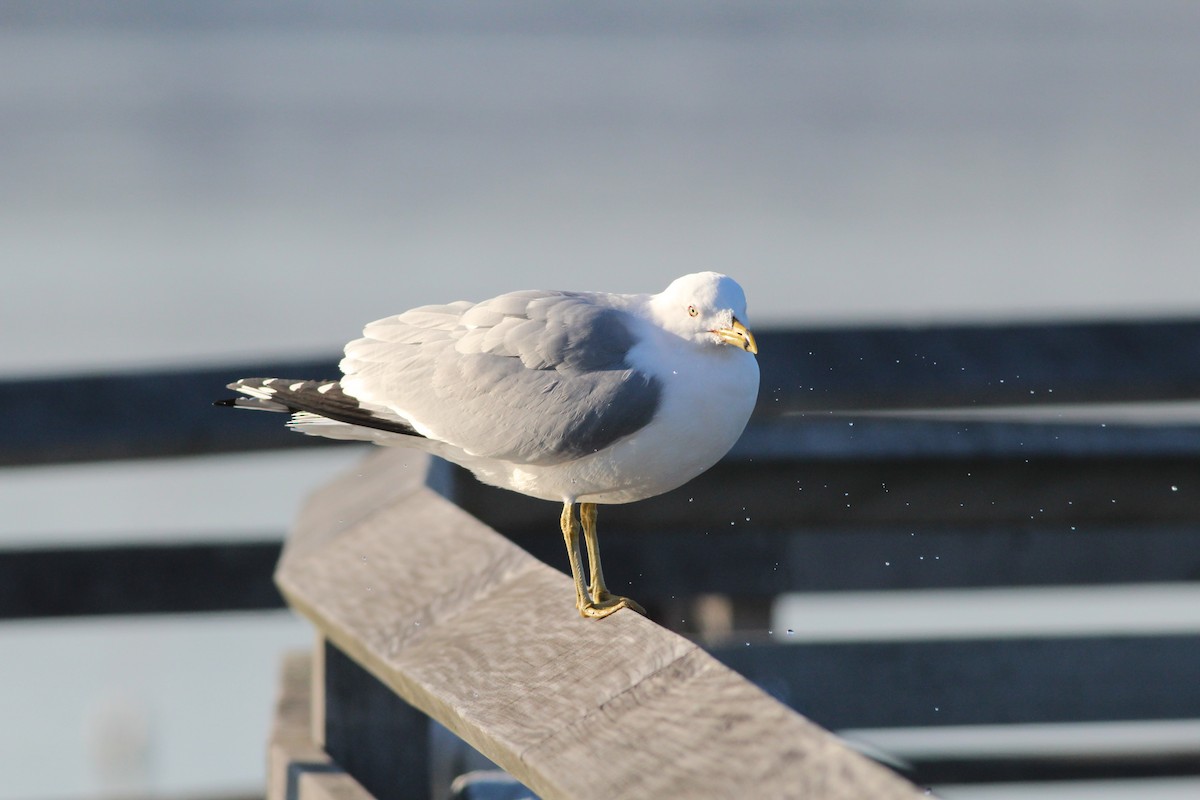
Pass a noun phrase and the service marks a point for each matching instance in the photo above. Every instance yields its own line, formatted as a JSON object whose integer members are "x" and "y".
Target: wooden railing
{"x": 1019, "y": 455}
{"x": 466, "y": 627}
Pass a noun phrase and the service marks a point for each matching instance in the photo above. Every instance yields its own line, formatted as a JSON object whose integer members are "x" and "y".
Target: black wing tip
{"x": 228, "y": 402}
{"x": 322, "y": 398}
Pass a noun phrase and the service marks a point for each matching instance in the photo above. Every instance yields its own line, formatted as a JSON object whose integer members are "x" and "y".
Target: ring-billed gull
{"x": 578, "y": 397}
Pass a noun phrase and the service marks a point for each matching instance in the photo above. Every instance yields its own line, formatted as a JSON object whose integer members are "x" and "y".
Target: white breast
{"x": 708, "y": 393}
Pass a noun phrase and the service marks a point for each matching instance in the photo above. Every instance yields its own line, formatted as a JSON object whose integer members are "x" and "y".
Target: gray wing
{"x": 528, "y": 377}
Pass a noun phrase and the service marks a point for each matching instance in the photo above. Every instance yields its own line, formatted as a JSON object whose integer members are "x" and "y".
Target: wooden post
{"x": 469, "y": 629}
{"x": 297, "y": 767}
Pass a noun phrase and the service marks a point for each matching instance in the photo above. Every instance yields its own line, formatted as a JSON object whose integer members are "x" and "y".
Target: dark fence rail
{"x": 140, "y": 415}
{"x": 980, "y": 364}
{"x": 169, "y": 413}
{"x": 657, "y": 567}
{"x": 153, "y": 578}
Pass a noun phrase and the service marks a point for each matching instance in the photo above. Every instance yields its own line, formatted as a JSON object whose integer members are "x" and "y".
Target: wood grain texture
{"x": 474, "y": 632}
{"x": 352, "y": 496}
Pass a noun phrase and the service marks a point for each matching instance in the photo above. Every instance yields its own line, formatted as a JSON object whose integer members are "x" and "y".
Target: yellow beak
{"x": 738, "y": 336}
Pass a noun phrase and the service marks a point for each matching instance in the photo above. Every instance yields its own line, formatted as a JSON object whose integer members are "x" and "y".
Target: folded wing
{"x": 528, "y": 377}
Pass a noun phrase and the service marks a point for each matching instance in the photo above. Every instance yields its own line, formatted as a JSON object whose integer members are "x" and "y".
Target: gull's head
{"x": 705, "y": 307}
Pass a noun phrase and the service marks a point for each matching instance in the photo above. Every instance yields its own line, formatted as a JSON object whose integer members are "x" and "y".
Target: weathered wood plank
{"x": 725, "y": 721}
{"x": 354, "y": 496}
{"x": 482, "y": 637}
{"x": 297, "y": 767}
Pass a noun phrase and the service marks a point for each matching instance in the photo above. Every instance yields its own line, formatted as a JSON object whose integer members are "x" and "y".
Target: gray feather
{"x": 530, "y": 377}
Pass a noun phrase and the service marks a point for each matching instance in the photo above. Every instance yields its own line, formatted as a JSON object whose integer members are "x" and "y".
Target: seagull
{"x": 583, "y": 398}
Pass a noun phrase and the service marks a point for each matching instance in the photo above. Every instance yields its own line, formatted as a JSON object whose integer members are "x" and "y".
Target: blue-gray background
{"x": 205, "y": 182}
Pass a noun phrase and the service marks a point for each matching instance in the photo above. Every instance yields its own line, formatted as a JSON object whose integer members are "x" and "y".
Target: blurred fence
{"x": 879, "y": 459}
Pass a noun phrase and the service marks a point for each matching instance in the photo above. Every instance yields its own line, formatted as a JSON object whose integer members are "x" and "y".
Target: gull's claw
{"x": 607, "y": 604}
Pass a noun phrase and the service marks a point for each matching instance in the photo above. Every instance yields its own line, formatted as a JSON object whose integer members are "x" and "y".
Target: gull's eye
{"x": 692, "y": 312}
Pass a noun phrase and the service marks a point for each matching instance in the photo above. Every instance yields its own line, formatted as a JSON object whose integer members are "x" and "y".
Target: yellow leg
{"x": 570, "y": 531}
{"x": 603, "y": 602}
